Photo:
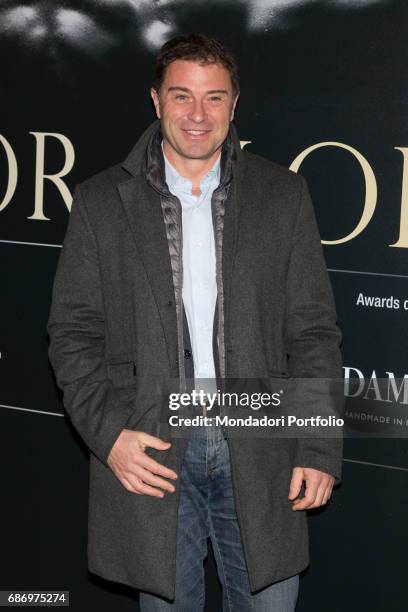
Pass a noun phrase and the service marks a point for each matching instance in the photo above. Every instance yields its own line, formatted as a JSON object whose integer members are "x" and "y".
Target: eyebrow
{"x": 186, "y": 89}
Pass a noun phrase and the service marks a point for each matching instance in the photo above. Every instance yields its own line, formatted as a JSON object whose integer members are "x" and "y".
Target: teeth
{"x": 195, "y": 132}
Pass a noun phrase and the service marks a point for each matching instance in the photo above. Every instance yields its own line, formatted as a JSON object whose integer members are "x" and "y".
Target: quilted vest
{"x": 172, "y": 216}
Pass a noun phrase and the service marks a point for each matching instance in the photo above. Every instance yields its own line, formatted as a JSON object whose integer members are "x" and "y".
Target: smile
{"x": 196, "y": 133}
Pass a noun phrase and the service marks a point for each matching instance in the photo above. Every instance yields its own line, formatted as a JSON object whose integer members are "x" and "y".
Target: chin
{"x": 195, "y": 153}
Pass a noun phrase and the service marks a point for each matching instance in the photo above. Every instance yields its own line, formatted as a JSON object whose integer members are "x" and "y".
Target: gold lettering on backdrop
{"x": 40, "y": 176}
{"x": 402, "y": 241}
{"x": 370, "y": 201}
{"x": 12, "y": 172}
{"x": 370, "y": 186}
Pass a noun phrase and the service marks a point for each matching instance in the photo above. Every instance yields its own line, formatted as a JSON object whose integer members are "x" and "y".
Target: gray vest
{"x": 172, "y": 215}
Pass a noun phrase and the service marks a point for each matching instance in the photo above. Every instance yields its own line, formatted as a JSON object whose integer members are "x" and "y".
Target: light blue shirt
{"x": 199, "y": 263}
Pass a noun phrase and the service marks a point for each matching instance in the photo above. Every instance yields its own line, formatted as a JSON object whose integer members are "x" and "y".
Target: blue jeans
{"x": 207, "y": 509}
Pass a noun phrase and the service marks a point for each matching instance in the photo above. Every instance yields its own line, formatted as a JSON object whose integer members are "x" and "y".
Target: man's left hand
{"x": 319, "y": 486}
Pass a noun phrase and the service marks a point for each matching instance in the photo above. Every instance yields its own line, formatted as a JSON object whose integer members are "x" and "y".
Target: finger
{"x": 295, "y": 483}
{"x": 326, "y": 496}
{"x": 154, "y": 466}
{"x": 327, "y": 493}
{"x": 321, "y": 491}
{"x": 125, "y": 482}
{"x": 330, "y": 491}
{"x": 153, "y": 441}
{"x": 309, "y": 497}
{"x": 151, "y": 479}
{"x": 145, "y": 489}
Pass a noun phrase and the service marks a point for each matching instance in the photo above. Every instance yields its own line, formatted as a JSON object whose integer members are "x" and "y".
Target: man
{"x": 194, "y": 260}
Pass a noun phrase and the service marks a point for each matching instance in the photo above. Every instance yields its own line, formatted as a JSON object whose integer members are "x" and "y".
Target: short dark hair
{"x": 195, "y": 47}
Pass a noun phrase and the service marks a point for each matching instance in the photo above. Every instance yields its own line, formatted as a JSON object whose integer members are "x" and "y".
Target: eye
{"x": 181, "y": 97}
{"x": 215, "y": 98}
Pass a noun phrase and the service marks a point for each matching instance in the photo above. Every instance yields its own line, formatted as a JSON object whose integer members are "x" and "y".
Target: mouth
{"x": 196, "y": 134}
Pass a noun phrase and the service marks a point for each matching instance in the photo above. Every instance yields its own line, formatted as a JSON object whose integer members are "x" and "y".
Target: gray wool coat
{"x": 118, "y": 334}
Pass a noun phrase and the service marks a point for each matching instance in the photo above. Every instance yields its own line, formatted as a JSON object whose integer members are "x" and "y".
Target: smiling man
{"x": 195, "y": 103}
{"x": 197, "y": 261}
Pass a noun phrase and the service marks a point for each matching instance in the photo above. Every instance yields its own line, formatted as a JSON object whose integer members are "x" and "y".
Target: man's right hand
{"x": 138, "y": 472}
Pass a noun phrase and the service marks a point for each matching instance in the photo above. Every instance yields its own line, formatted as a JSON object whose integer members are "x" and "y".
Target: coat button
{"x": 170, "y": 303}
{"x": 187, "y": 353}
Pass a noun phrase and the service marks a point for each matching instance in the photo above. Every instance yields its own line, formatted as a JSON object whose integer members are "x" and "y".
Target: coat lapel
{"x": 230, "y": 239}
{"x": 143, "y": 210}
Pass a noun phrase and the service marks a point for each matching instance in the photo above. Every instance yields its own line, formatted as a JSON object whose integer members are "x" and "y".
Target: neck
{"x": 191, "y": 169}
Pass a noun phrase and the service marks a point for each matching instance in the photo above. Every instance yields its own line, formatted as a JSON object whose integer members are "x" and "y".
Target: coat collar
{"x": 146, "y": 157}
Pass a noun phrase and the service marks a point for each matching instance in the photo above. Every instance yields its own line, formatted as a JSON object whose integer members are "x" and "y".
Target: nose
{"x": 197, "y": 112}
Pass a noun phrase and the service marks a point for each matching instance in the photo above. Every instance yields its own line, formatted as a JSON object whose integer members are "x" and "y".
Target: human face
{"x": 195, "y": 107}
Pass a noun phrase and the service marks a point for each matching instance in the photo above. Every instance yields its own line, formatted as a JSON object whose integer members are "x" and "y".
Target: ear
{"x": 233, "y": 106}
{"x": 155, "y": 98}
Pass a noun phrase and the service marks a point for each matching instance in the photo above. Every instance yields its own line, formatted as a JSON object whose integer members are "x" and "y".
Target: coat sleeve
{"x": 76, "y": 328}
{"x": 313, "y": 340}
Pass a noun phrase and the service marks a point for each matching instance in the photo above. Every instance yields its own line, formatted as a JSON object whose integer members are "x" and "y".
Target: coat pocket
{"x": 273, "y": 373}
{"x": 122, "y": 370}
{"x": 281, "y": 381}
